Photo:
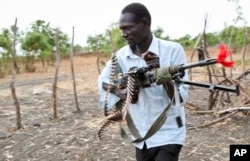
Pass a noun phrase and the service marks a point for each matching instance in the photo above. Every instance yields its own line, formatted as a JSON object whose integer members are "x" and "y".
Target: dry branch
{"x": 212, "y": 122}
{"x": 204, "y": 112}
{"x": 246, "y": 72}
{"x": 233, "y": 109}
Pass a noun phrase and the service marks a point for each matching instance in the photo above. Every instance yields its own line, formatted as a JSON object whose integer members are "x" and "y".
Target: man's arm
{"x": 105, "y": 77}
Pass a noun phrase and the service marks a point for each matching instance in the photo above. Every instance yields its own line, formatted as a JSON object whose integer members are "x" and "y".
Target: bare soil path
{"x": 73, "y": 136}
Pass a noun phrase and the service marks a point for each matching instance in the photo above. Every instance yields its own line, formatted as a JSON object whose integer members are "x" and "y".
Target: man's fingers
{"x": 154, "y": 64}
{"x": 148, "y": 55}
{"x": 153, "y": 57}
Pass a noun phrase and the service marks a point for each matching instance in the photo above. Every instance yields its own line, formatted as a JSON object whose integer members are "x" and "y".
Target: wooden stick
{"x": 233, "y": 109}
{"x": 212, "y": 122}
{"x": 72, "y": 70}
{"x": 12, "y": 81}
{"x": 54, "y": 87}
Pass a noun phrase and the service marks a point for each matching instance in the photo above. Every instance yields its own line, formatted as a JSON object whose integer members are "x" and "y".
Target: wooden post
{"x": 72, "y": 70}
{"x": 54, "y": 91}
{"x": 12, "y": 81}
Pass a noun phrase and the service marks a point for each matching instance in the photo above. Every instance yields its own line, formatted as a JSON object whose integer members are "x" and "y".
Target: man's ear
{"x": 144, "y": 22}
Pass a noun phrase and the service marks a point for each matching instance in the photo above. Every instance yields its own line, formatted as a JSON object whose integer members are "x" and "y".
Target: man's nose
{"x": 124, "y": 34}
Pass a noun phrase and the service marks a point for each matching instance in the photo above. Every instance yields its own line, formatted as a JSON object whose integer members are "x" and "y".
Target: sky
{"x": 92, "y": 17}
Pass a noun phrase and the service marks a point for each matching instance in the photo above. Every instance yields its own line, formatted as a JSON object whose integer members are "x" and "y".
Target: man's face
{"x": 132, "y": 31}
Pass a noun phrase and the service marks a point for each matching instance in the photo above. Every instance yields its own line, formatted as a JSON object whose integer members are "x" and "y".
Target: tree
{"x": 212, "y": 39}
{"x": 158, "y": 33}
{"x": 118, "y": 40}
{"x": 186, "y": 41}
{"x": 95, "y": 43}
{"x": 101, "y": 42}
{"x": 78, "y": 48}
{"x": 235, "y": 39}
{"x": 5, "y": 43}
{"x": 37, "y": 45}
{"x": 240, "y": 18}
{"x": 36, "y": 42}
{"x": 39, "y": 42}
{"x": 5, "y": 50}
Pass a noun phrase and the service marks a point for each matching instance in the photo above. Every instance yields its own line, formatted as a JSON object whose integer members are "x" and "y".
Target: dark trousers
{"x": 168, "y": 152}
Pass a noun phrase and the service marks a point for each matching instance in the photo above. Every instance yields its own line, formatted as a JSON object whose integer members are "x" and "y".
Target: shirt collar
{"x": 153, "y": 47}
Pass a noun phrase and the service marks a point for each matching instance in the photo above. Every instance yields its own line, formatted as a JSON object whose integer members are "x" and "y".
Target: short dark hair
{"x": 139, "y": 10}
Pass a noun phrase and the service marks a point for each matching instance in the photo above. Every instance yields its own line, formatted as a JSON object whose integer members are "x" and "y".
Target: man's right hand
{"x": 122, "y": 84}
{"x": 116, "y": 91}
{"x": 151, "y": 59}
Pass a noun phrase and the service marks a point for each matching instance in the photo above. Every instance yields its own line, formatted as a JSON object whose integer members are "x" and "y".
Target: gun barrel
{"x": 214, "y": 86}
{"x": 197, "y": 64}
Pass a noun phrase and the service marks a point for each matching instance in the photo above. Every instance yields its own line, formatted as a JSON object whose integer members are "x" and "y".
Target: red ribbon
{"x": 222, "y": 55}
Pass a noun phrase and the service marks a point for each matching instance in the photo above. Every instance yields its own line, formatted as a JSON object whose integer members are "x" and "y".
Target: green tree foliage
{"x": 39, "y": 42}
{"x": 116, "y": 34}
{"x": 237, "y": 38}
{"x": 96, "y": 43}
{"x": 212, "y": 39}
{"x": 36, "y": 42}
{"x": 44, "y": 28}
{"x": 5, "y": 43}
{"x": 5, "y": 50}
{"x": 158, "y": 33}
{"x": 102, "y": 42}
{"x": 186, "y": 41}
{"x": 78, "y": 48}
{"x": 36, "y": 45}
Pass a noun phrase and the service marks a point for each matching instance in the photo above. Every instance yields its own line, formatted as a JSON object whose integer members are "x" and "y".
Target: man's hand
{"x": 151, "y": 59}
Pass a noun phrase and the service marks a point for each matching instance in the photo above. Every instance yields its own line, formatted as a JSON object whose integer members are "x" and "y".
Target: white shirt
{"x": 153, "y": 100}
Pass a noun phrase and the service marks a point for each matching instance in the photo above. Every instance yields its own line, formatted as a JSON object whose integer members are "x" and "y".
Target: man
{"x": 145, "y": 50}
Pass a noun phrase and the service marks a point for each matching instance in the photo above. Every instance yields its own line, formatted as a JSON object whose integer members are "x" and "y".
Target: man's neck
{"x": 143, "y": 46}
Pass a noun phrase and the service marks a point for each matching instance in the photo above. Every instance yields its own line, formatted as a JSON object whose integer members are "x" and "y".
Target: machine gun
{"x": 145, "y": 77}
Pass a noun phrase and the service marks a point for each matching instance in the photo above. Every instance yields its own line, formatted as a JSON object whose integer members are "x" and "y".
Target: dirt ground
{"x": 73, "y": 136}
